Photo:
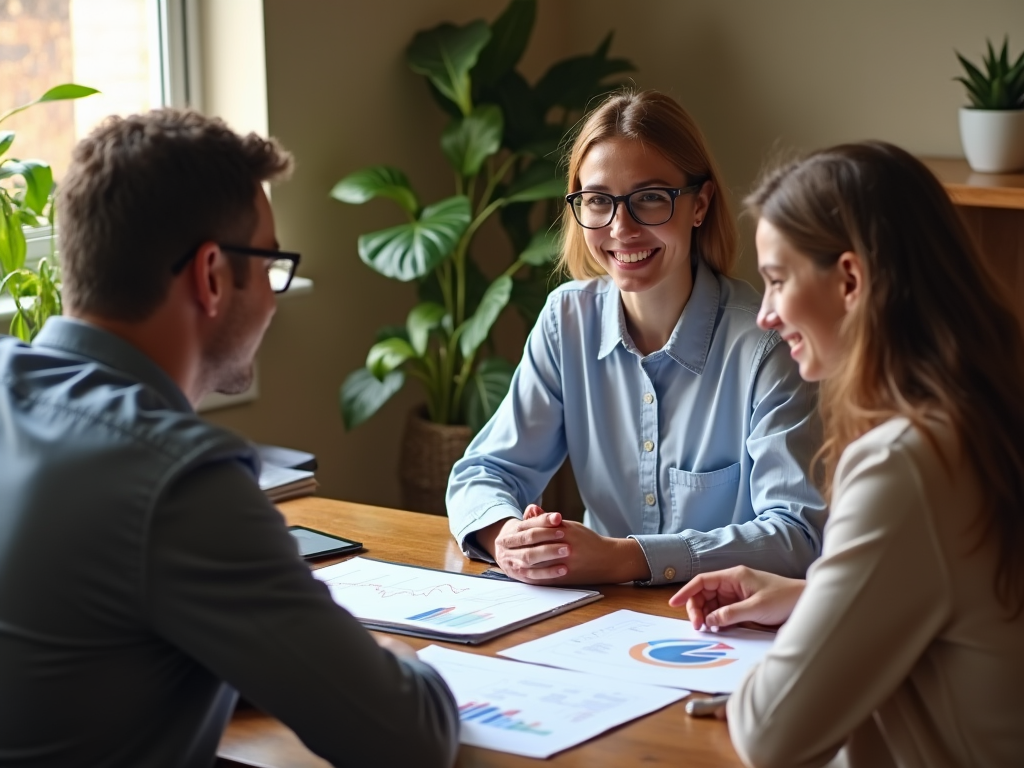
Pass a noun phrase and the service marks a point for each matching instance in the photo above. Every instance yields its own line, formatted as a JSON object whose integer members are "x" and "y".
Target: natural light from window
{"x": 110, "y": 45}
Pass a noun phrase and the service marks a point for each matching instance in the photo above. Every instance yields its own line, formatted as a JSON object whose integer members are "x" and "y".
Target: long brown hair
{"x": 657, "y": 121}
{"x": 933, "y": 332}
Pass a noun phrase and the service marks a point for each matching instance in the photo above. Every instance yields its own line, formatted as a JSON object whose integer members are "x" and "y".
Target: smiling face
{"x": 803, "y": 302}
{"x": 641, "y": 258}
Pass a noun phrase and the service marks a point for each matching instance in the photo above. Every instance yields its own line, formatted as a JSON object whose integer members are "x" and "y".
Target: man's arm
{"x": 784, "y": 536}
{"x": 226, "y": 586}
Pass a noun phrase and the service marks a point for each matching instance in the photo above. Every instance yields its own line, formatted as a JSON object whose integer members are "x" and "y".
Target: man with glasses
{"x": 144, "y": 577}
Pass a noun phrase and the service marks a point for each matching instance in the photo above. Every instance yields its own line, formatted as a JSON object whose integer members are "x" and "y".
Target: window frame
{"x": 177, "y": 82}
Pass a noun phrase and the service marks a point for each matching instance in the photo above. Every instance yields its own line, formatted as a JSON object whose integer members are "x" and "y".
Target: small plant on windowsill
{"x": 28, "y": 202}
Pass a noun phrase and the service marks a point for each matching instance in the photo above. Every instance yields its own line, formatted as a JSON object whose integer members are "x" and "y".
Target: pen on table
{"x": 706, "y": 707}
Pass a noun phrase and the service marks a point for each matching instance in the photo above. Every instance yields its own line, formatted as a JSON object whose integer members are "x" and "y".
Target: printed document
{"x": 537, "y": 711}
{"x": 441, "y": 605}
{"x": 627, "y": 645}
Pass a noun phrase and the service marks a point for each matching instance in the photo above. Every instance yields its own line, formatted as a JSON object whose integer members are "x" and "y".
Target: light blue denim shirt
{"x": 698, "y": 450}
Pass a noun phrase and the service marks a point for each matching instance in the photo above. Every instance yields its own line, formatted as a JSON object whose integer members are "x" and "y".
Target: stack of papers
{"x": 282, "y": 483}
{"x": 441, "y": 605}
{"x": 614, "y": 669}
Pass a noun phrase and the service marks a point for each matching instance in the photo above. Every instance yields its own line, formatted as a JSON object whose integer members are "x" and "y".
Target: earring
{"x": 698, "y": 222}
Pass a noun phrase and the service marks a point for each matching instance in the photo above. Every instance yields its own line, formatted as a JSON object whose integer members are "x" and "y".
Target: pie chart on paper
{"x": 690, "y": 654}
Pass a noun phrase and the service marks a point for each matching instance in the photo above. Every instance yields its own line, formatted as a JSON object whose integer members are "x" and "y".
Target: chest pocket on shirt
{"x": 703, "y": 500}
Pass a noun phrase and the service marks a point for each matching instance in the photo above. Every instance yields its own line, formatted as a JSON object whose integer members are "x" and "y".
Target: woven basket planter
{"x": 425, "y": 460}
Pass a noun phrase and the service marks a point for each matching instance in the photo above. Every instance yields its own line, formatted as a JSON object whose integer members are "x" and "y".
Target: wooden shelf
{"x": 986, "y": 190}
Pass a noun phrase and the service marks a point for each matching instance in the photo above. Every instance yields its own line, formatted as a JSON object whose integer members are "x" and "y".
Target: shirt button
{"x": 670, "y": 573}
{"x": 648, "y": 398}
{"x": 650, "y": 499}
{"x": 648, "y": 446}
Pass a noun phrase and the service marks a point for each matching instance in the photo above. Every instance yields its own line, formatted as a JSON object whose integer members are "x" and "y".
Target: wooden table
{"x": 992, "y": 207}
{"x": 666, "y": 738}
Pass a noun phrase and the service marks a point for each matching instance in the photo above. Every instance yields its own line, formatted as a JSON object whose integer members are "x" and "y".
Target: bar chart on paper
{"x": 439, "y": 604}
{"x": 537, "y": 711}
{"x": 450, "y": 617}
{"x": 486, "y": 714}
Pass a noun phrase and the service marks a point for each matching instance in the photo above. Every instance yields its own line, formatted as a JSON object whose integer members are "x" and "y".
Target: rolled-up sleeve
{"x": 509, "y": 463}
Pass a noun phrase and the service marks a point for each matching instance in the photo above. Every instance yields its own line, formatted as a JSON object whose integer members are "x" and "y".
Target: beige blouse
{"x": 898, "y": 652}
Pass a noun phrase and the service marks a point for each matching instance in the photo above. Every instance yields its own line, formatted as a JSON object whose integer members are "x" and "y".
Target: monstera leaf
{"x": 385, "y": 356}
{"x": 477, "y": 327}
{"x": 486, "y": 389}
{"x": 446, "y": 54}
{"x": 424, "y": 318}
{"x": 541, "y": 181}
{"x": 363, "y": 394}
{"x": 573, "y": 83}
{"x": 377, "y": 181}
{"x": 542, "y": 249}
{"x": 410, "y": 251}
{"x": 510, "y": 33}
{"x": 467, "y": 142}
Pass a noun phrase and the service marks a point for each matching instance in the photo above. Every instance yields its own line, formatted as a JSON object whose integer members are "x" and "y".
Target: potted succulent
{"x": 503, "y": 143}
{"x": 992, "y": 127}
{"x": 29, "y": 204}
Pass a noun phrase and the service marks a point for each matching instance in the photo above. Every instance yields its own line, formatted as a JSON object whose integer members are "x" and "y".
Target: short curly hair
{"x": 141, "y": 192}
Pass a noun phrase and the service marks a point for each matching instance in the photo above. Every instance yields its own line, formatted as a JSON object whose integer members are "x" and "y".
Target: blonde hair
{"x": 657, "y": 121}
{"x": 932, "y": 333}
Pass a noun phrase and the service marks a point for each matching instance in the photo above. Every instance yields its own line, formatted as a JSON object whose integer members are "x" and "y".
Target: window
{"x": 132, "y": 51}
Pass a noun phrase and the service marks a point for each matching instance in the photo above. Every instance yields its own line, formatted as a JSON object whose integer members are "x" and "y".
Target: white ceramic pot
{"x": 993, "y": 139}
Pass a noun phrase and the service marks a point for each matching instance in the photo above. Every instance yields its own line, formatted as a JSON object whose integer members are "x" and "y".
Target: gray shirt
{"x": 141, "y": 566}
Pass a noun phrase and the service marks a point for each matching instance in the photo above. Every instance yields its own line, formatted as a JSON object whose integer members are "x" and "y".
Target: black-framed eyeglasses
{"x": 649, "y": 206}
{"x": 281, "y": 270}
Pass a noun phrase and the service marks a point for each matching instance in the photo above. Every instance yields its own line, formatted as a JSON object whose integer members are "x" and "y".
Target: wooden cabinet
{"x": 992, "y": 206}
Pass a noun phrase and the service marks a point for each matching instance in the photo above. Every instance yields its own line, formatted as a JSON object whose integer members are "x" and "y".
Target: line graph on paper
{"x": 401, "y": 588}
{"x": 388, "y": 593}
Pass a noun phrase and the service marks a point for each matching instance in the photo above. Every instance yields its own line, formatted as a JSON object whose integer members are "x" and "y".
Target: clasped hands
{"x": 544, "y": 548}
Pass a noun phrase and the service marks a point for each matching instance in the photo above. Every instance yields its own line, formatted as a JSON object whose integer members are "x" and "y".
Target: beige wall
{"x": 809, "y": 73}
{"x": 792, "y": 73}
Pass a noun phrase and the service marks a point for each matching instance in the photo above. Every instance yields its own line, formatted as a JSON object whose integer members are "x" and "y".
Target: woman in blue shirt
{"x": 689, "y": 429}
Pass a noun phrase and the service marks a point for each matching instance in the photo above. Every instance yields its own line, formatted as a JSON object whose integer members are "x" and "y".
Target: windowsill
{"x": 301, "y": 286}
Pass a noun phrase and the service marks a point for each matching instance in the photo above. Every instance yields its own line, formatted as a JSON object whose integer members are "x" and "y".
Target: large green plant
{"x": 502, "y": 143}
{"x": 1000, "y": 86}
{"x": 28, "y": 202}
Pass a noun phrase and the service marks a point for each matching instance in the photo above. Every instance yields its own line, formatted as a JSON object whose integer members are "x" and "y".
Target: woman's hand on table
{"x": 543, "y": 548}
{"x": 723, "y": 598}
{"x": 531, "y": 550}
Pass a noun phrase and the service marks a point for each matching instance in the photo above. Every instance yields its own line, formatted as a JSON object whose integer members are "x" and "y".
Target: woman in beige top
{"x": 905, "y": 645}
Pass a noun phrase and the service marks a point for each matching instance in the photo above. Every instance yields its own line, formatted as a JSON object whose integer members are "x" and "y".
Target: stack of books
{"x": 286, "y": 473}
